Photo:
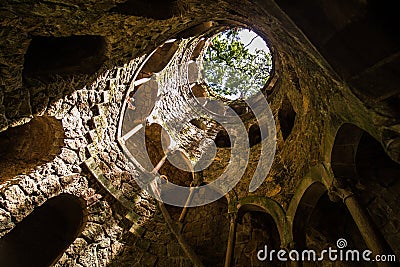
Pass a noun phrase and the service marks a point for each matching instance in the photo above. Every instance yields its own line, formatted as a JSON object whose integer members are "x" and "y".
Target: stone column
{"x": 231, "y": 239}
{"x": 363, "y": 221}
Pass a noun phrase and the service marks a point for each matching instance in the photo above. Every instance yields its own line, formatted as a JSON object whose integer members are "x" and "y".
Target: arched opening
{"x": 222, "y": 139}
{"x": 361, "y": 162}
{"x": 254, "y": 135}
{"x": 24, "y": 147}
{"x": 198, "y": 49}
{"x": 199, "y": 124}
{"x": 304, "y": 209}
{"x": 159, "y": 59}
{"x": 199, "y": 91}
{"x": 140, "y": 103}
{"x": 177, "y": 166}
{"x": 43, "y": 236}
{"x": 319, "y": 223}
{"x": 239, "y": 108}
{"x": 48, "y": 57}
{"x": 286, "y": 116}
{"x": 255, "y": 229}
{"x": 344, "y": 151}
{"x": 329, "y": 222}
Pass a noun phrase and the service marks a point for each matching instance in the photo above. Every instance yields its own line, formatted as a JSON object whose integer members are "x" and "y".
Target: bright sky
{"x": 246, "y": 36}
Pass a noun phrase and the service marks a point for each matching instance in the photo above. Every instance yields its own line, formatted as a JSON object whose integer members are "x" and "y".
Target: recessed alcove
{"x": 222, "y": 139}
{"x": 199, "y": 124}
{"x": 198, "y": 49}
{"x": 286, "y": 116}
{"x": 159, "y": 59}
{"x": 240, "y": 108}
{"x": 360, "y": 161}
{"x": 254, "y": 135}
{"x": 49, "y": 56}
{"x": 319, "y": 223}
{"x": 255, "y": 229}
{"x": 43, "y": 236}
{"x": 329, "y": 222}
{"x": 154, "y": 9}
{"x": 24, "y": 147}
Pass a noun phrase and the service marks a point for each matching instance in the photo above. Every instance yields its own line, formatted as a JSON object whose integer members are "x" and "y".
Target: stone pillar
{"x": 231, "y": 239}
{"x": 363, "y": 221}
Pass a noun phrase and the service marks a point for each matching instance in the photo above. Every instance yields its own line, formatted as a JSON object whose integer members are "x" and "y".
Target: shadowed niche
{"x": 319, "y": 223}
{"x": 255, "y": 229}
{"x": 43, "y": 236}
{"x": 254, "y": 135}
{"x": 360, "y": 162}
{"x": 24, "y": 147}
{"x": 222, "y": 139}
{"x": 286, "y": 116}
{"x": 48, "y": 57}
{"x": 154, "y": 9}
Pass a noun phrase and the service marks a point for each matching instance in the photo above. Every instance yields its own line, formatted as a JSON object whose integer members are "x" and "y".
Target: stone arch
{"x": 344, "y": 151}
{"x": 318, "y": 222}
{"x": 274, "y": 209}
{"x": 310, "y": 192}
{"x": 43, "y": 236}
{"x": 159, "y": 59}
{"x": 24, "y": 147}
{"x": 256, "y": 228}
{"x": 199, "y": 124}
{"x": 361, "y": 163}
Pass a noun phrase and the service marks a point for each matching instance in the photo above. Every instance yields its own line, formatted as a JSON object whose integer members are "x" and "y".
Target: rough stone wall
{"x": 126, "y": 37}
{"x": 206, "y": 229}
{"x": 89, "y": 118}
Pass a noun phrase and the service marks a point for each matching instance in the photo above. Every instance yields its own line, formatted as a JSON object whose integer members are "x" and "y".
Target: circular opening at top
{"x": 237, "y": 63}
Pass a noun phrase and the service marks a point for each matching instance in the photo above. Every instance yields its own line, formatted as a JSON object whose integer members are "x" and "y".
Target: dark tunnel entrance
{"x": 43, "y": 236}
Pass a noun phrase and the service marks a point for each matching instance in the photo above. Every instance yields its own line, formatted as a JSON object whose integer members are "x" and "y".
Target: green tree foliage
{"x": 231, "y": 70}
